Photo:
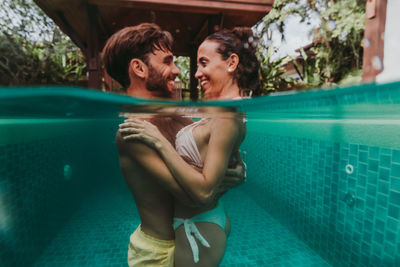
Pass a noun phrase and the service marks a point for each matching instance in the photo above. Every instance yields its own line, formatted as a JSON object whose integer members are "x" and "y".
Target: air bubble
{"x": 67, "y": 172}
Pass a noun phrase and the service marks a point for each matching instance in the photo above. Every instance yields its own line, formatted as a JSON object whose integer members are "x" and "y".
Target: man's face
{"x": 162, "y": 72}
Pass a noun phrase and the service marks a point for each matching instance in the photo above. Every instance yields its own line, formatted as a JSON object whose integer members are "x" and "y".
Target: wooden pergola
{"x": 89, "y": 23}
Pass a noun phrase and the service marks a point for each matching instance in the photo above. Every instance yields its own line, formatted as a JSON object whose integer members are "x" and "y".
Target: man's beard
{"x": 156, "y": 83}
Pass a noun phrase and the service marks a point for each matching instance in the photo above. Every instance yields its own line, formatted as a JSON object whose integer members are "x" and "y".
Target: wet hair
{"x": 133, "y": 42}
{"x": 241, "y": 41}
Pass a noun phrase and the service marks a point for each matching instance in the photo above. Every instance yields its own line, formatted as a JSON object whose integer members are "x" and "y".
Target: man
{"x": 140, "y": 59}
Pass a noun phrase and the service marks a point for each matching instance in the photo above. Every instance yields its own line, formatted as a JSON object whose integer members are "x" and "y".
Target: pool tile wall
{"x": 350, "y": 215}
{"x": 39, "y": 192}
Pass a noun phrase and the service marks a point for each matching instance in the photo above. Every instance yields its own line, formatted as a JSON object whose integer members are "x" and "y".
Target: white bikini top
{"x": 186, "y": 146}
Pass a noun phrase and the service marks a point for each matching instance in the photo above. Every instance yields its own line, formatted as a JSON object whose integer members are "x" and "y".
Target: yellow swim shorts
{"x": 145, "y": 250}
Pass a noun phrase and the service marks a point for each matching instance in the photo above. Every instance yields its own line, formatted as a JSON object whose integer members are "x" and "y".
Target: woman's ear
{"x": 233, "y": 62}
{"x": 138, "y": 68}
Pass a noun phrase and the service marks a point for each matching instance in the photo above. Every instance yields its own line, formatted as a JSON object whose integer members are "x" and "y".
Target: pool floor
{"x": 98, "y": 234}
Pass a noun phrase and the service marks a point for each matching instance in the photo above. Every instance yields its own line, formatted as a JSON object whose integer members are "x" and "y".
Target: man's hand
{"x": 142, "y": 131}
{"x": 234, "y": 175}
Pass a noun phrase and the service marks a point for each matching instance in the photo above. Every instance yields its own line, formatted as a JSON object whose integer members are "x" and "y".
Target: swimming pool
{"x": 323, "y": 185}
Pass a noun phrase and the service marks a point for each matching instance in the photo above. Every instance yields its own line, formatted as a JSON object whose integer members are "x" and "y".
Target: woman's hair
{"x": 133, "y": 42}
{"x": 241, "y": 41}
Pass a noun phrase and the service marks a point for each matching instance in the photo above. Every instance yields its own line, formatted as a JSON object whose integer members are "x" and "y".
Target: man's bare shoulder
{"x": 132, "y": 149}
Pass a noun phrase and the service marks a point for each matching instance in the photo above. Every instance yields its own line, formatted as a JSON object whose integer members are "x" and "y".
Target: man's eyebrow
{"x": 168, "y": 58}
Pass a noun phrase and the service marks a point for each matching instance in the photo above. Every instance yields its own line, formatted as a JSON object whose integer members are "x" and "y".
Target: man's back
{"x": 153, "y": 199}
{"x": 154, "y": 203}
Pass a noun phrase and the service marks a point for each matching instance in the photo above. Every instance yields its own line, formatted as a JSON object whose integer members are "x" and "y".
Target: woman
{"x": 227, "y": 65}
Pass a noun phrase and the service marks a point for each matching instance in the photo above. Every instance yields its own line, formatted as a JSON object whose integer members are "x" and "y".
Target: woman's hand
{"x": 142, "y": 131}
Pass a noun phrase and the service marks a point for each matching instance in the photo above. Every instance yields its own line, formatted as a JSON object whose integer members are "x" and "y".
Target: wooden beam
{"x": 373, "y": 39}
{"x": 212, "y": 24}
{"x": 192, "y": 6}
{"x": 70, "y": 32}
{"x": 53, "y": 10}
{"x": 201, "y": 33}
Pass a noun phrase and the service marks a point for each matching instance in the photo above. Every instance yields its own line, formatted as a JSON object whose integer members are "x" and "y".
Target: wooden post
{"x": 92, "y": 55}
{"x": 194, "y": 93}
{"x": 374, "y": 39}
{"x": 108, "y": 81}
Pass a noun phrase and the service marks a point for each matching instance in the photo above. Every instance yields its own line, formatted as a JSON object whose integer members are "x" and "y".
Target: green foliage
{"x": 351, "y": 78}
{"x": 337, "y": 42}
{"x": 33, "y": 50}
{"x": 311, "y": 71}
{"x": 183, "y": 63}
{"x": 272, "y": 71}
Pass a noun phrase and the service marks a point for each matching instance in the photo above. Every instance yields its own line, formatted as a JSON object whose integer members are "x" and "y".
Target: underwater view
{"x": 322, "y": 186}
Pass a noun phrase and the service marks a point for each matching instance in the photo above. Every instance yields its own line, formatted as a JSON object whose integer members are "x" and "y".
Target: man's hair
{"x": 133, "y": 42}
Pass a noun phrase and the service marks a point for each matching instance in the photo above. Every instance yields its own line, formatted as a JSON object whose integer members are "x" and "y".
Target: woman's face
{"x": 212, "y": 71}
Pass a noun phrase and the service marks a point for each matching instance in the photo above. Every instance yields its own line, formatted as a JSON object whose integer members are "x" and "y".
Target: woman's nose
{"x": 198, "y": 74}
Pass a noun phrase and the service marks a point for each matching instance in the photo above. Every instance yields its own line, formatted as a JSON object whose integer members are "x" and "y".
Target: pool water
{"x": 323, "y": 186}
{"x": 98, "y": 233}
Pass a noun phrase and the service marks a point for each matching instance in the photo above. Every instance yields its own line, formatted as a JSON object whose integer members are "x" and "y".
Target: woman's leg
{"x": 208, "y": 257}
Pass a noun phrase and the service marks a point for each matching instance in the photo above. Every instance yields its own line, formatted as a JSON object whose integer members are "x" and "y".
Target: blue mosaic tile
{"x": 383, "y": 187}
{"x": 394, "y": 198}
{"x": 395, "y": 170}
{"x": 361, "y": 207}
{"x": 394, "y": 212}
{"x": 374, "y": 152}
{"x": 395, "y": 184}
{"x": 97, "y": 233}
{"x": 384, "y": 174}
{"x": 39, "y": 194}
{"x": 396, "y": 156}
{"x": 267, "y": 242}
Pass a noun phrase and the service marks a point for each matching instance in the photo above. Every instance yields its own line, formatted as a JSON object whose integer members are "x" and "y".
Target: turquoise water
{"x": 323, "y": 185}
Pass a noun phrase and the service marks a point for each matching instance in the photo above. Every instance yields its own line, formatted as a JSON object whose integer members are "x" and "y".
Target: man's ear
{"x": 138, "y": 68}
{"x": 233, "y": 62}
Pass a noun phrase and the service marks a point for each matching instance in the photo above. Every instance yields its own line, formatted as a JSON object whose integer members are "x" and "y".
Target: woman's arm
{"x": 201, "y": 186}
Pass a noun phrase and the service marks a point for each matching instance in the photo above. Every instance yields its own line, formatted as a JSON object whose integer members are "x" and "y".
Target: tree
{"x": 33, "y": 50}
{"x": 337, "y": 42}
{"x": 272, "y": 70}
